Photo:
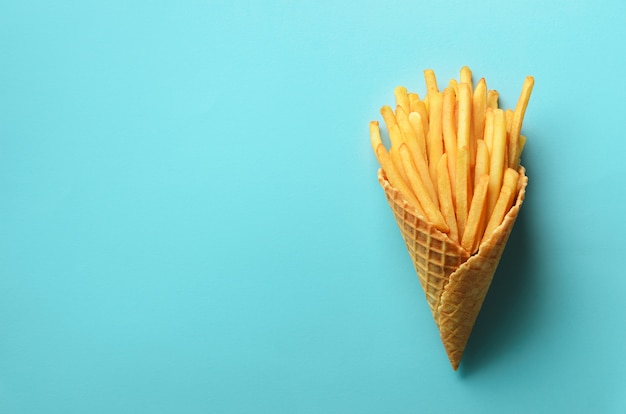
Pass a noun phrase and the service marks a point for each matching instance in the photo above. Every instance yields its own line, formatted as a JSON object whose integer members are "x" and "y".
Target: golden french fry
{"x": 417, "y": 123}
{"x": 479, "y": 106}
{"x": 402, "y": 98}
{"x": 413, "y": 101}
{"x": 499, "y": 212}
{"x": 435, "y": 133}
{"x": 463, "y": 195}
{"x": 518, "y": 117}
{"x": 423, "y": 112}
{"x": 466, "y": 76}
{"x": 488, "y": 135}
{"x": 375, "y": 135}
{"x": 504, "y": 202}
{"x": 446, "y": 204}
{"x": 464, "y": 128}
{"x": 472, "y": 235}
{"x": 420, "y": 156}
{"x": 510, "y": 179}
{"x": 481, "y": 170}
{"x": 492, "y": 99}
{"x": 414, "y": 144}
{"x": 405, "y": 126}
{"x": 388, "y": 116}
{"x": 522, "y": 144}
{"x": 496, "y": 162}
{"x": 453, "y": 84}
{"x": 395, "y": 178}
{"x": 431, "y": 209}
{"x": 449, "y": 131}
{"x": 418, "y": 150}
{"x": 464, "y": 116}
{"x": 482, "y": 161}
{"x": 508, "y": 115}
{"x": 395, "y": 136}
{"x": 431, "y": 82}
{"x": 397, "y": 139}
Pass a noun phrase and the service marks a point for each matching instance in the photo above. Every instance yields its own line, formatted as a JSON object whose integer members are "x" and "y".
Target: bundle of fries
{"x": 453, "y": 179}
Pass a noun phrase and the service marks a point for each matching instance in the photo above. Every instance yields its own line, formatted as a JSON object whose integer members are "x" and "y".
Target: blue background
{"x": 190, "y": 220}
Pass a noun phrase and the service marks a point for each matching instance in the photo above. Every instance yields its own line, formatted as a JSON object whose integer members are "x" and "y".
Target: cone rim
{"x": 521, "y": 194}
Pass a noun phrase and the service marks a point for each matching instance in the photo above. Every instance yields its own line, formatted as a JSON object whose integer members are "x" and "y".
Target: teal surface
{"x": 190, "y": 220}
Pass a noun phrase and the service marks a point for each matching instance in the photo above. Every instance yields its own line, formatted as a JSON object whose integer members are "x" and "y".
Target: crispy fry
{"x": 387, "y": 163}
{"x": 429, "y": 205}
{"x": 388, "y": 116}
{"x": 496, "y": 164}
{"x": 504, "y": 202}
{"x": 421, "y": 110}
{"x": 492, "y": 99}
{"x": 375, "y": 135}
{"x": 431, "y": 82}
{"x": 518, "y": 117}
{"x": 395, "y": 179}
{"x": 435, "y": 135}
{"x": 417, "y": 123}
{"x": 395, "y": 136}
{"x": 482, "y": 161}
{"x": 402, "y": 98}
{"x": 472, "y": 234}
{"x": 466, "y": 76}
{"x": 449, "y": 132}
{"x": 464, "y": 128}
{"x": 479, "y": 106}
{"x": 488, "y": 134}
{"x": 403, "y": 122}
{"x": 413, "y": 101}
{"x": 397, "y": 139}
{"x": 508, "y": 115}
{"x": 445, "y": 197}
{"x": 463, "y": 194}
{"x": 464, "y": 116}
{"x": 453, "y": 84}
{"x": 415, "y": 145}
{"x": 420, "y": 159}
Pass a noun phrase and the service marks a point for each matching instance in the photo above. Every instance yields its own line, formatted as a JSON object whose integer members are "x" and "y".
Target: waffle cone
{"x": 455, "y": 282}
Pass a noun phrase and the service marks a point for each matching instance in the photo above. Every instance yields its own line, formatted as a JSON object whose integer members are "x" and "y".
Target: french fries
{"x": 445, "y": 197}
{"x": 402, "y": 98}
{"x": 516, "y": 123}
{"x": 435, "y": 132}
{"x": 472, "y": 233}
{"x": 449, "y": 131}
{"x": 504, "y": 202}
{"x": 391, "y": 171}
{"x": 430, "y": 206}
{"x": 497, "y": 156}
{"x": 454, "y": 155}
{"x": 461, "y": 188}
{"x": 479, "y": 107}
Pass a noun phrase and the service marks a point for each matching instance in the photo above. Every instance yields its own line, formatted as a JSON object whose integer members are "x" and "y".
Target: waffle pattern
{"x": 455, "y": 284}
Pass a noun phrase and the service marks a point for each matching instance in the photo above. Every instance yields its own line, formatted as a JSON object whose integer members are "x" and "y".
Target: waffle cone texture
{"x": 455, "y": 282}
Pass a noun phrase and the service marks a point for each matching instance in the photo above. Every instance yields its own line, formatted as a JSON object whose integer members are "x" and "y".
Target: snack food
{"x": 455, "y": 186}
